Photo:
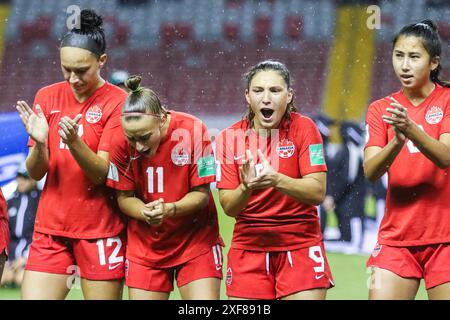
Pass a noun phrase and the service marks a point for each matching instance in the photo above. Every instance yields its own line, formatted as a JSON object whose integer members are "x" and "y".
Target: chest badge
{"x": 285, "y": 148}
{"x": 180, "y": 156}
{"x": 94, "y": 114}
{"x": 434, "y": 115}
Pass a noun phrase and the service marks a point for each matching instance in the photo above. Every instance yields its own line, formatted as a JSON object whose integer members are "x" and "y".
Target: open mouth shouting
{"x": 267, "y": 113}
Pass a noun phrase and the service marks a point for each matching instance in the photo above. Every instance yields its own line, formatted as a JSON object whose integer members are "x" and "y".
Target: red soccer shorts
{"x": 273, "y": 275}
{"x": 4, "y": 236}
{"x": 430, "y": 262}
{"x": 207, "y": 265}
{"x": 94, "y": 259}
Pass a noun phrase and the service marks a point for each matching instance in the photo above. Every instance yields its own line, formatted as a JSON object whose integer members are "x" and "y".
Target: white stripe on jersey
{"x": 216, "y": 261}
{"x": 219, "y": 251}
{"x": 218, "y": 171}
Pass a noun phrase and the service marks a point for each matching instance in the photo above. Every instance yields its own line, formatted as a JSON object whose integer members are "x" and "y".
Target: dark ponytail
{"x": 427, "y": 31}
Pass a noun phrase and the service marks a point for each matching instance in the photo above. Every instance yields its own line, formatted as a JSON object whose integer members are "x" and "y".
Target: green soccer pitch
{"x": 349, "y": 273}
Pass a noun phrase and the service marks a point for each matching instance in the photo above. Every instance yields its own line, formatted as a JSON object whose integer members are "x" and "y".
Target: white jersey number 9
{"x": 315, "y": 253}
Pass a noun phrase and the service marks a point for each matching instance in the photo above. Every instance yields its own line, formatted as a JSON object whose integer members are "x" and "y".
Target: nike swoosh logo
{"x": 239, "y": 157}
{"x": 218, "y": 267}
{"x": 112, "y": 267}
{"x": 54, "y": 111}
{"x": 321, "y": 276}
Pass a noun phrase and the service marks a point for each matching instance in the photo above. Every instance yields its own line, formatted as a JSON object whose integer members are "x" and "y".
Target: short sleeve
{"x": 311, "y": 154}
{"x": 41, "y": 100}
{"x": 376, "y": 133}
{"x": 445, "y": 126}
{"x": 202, "y": 168}
{"x": 111, "y": 126}
{"x": 227, "y": 170}
{"x": 120, "y": 174}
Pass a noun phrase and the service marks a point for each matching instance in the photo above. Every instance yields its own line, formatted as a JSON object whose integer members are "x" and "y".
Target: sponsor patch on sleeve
{"x": 113, "y": 173}
{"x": 206, "y": 166}
{"x": 316, "y": 157}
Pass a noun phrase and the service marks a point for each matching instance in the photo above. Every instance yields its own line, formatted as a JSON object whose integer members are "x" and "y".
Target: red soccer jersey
{"x": 4, "y": 227}
{"x": 169, "y": 174}
{"x": 273, "y": 221}
{"x": 71, "y": 205}
{"x": 417, "y": 211}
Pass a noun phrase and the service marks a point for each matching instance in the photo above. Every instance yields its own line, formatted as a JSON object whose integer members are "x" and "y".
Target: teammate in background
{"x": 162, "y": 176}
{"x": 272, "y": 175}
{"x": 4, "y": 233}
{"x": 78, "y": 226}
{"x": 22, "y": 208}
{"x": 118, "y": 78}
{"x": 409, "y": 137}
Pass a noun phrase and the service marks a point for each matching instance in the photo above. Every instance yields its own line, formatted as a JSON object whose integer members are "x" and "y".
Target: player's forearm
{"x": 191, "y": 203}
{"x": 431, "y": 148}
{"x": 131, "y": 206}
{"x": 377, "y": 165}
{"x": 234, "y": 201}
{"x": 306, "y": 190}
{"x": 37, "y": 161}
{"x": 94, "y": 166}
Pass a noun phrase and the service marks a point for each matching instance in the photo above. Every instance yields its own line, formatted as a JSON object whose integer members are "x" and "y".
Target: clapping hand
{"x": 247, "y": 171}
{"x": 35, "y": 124}
{"x": 268, "y": 177}
{"x": 68, "y": 129}
{"x": 399, "y": 119}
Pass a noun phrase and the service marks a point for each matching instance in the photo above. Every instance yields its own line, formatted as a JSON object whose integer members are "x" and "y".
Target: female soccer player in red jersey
{"x": 409, "y": 137}
{"x": 78, "y": 226}
{"x": 4, "y": 233}
{"x": 162, "y": 176}
{"x": 272, "y": 175}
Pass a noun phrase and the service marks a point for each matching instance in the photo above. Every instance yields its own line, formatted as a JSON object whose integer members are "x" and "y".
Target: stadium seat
{"x": 263, "y": 30}
{"x": 38, "y": 29}
{"x": 168, "y": 34}
{"x": 231, "y": 32}
{"x": 444, "y": 30}
{"x": 294, "y": 27}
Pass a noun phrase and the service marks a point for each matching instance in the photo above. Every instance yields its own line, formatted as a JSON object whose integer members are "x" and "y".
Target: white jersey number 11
{"x": 159, "y": 179}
